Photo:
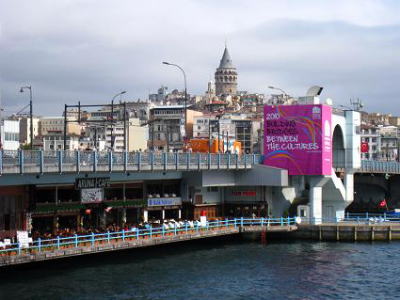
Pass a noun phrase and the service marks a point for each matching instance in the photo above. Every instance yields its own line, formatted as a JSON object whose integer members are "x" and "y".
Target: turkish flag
{"x": 383, "y": 203}
{"x": 364, "y": 147}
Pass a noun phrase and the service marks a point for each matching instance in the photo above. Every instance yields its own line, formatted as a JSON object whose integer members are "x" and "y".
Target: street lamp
{"x": 184, "y": 79}
{"x": 112, "y": 117}
{"x": 30, "y": 110}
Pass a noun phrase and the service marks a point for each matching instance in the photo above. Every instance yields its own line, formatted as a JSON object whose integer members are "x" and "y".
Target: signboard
{"x": 298, "y": 138}
{"x": 164, "y": 201}
{"x": 91, "y": 183}
{"x": 23, "y": 239}
{"x": 244, "y": 193}
{"x": 95, "y": 195}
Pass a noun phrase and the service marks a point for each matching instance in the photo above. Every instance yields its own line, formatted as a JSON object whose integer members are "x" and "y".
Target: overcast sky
{"x": 89, "y": 50}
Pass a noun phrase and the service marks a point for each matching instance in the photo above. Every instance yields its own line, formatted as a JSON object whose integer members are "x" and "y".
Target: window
{"x": 212, "y": 189}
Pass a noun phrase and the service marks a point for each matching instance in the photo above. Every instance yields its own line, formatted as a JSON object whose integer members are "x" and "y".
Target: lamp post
{"x": 184, "y": 79}
{"x": 112, "y": 117}
{"x": 30, "y": 111}
{"x": 286, "y": 95}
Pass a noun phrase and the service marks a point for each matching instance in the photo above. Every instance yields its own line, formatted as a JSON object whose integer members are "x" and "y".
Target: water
{"x": 222, "y": 270}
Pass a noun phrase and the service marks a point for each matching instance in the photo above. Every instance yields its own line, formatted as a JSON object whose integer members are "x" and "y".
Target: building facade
{"x": 10, "y": 135}
{"x": 25, "y": 129}
{"x": 167, "y": 127}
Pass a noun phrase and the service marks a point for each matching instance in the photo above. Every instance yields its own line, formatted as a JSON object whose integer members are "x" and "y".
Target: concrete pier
{"x": 349, "y": 232}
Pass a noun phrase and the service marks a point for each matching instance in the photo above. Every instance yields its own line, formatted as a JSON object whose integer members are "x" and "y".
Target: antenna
{"x": 357, "y": 104}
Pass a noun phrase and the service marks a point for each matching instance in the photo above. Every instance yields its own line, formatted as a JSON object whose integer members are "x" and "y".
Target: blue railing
{"x": 358, "y": 218}
{"x": 37, "y": 161}
{"x": 188, "y": 227}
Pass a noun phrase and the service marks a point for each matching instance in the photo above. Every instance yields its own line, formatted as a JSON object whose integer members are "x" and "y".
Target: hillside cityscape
{"x": 173, "y": 120}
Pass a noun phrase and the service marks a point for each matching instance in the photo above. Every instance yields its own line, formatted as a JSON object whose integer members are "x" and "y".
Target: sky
{"x": 89, "y": 50}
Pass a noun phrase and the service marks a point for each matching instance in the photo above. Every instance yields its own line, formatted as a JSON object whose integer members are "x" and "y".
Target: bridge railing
{"x": 37, "y": 161}
{"x": 171, "y": 229}
{"x": 374, "y": 166}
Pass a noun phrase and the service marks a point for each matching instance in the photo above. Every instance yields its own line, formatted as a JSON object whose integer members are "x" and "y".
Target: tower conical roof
{"x": 226, "y": 61}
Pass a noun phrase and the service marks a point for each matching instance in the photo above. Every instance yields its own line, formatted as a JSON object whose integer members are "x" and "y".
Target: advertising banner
{"x": 298, "y": 138}
{"x": 94, "y": 195}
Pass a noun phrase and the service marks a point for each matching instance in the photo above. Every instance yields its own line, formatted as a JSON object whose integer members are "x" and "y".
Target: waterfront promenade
{"x": 61, "y": 247}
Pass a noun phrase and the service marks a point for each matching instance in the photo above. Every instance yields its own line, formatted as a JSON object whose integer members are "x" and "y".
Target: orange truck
{"x": 201, "y": 145}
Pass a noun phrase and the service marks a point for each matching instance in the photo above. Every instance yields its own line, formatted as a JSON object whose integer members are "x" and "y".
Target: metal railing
{"x": 90, "y": 240}
{"x": 374, "y": 166}
{"x": 358, "y": 218}
{"x": 38, "y": 161}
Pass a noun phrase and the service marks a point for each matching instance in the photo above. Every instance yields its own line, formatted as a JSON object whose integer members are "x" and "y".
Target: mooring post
{"x": 355, "y": 233}
{"x": 320, "y": 233}
{"x": 372, "y": 233}
{"x": 337, "y": 233}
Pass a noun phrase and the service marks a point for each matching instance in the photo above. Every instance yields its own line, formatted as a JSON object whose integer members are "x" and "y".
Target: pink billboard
{"x": 298, "y": 138}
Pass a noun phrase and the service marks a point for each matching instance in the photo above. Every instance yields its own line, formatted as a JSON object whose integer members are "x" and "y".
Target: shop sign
{"x": 164, "y": 201}
{"x": 92, "y": 195}
{"x": 91, "y": 183}
{"x": 244, "y": 193}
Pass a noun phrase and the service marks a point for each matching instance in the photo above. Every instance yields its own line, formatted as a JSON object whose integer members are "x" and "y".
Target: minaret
{"x": 226, "y": 76}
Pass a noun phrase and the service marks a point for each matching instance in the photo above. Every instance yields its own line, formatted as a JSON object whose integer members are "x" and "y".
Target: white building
{"x": 104, "y": 134}
{"x": 371, "y": 136}
{"x": 25, "y": 129}
{"x": 389, "y": 146}
{"x": 10, "y": 135}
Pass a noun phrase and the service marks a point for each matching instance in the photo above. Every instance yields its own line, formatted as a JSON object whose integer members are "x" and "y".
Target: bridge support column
{"x": 316, "y": 205}
{"x": 103, "y": 219}
{"x": 123, "y": 218}
{"x": 316, "y": 185}
{"x": 145, "y": 216}
{"x": 179, "y": 214}
{"x": 349, "y": 186}
{"x": 163, "y": 214}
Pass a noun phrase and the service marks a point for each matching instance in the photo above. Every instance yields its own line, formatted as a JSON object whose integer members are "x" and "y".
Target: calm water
{"x": 229, "y": 270}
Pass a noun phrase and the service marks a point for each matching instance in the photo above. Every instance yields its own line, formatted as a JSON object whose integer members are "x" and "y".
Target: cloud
{"x": 90, "y": 50}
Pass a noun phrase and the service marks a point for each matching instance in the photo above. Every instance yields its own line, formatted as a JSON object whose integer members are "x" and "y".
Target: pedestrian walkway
{"x": 41, "y": 250}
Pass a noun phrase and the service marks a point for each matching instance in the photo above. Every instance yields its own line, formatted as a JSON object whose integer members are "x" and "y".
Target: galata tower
{"x": 226, "y": 76}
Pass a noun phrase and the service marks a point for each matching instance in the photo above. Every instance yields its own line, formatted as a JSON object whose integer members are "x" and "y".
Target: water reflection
{"x": 228, "y": 270}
